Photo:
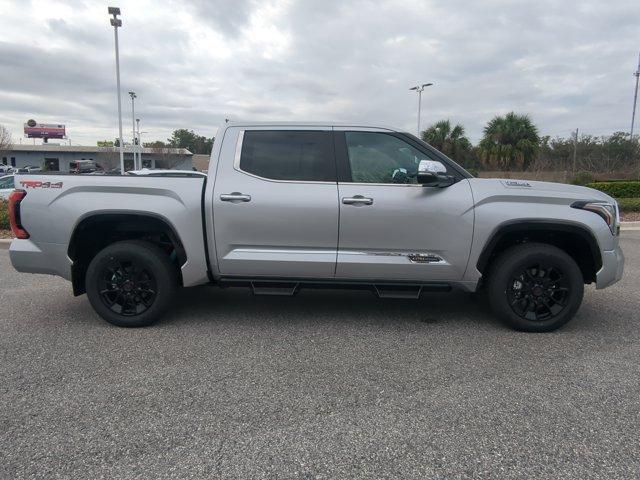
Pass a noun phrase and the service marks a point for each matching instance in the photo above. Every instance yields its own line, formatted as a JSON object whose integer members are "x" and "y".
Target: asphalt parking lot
{"x": 327, "y": 384}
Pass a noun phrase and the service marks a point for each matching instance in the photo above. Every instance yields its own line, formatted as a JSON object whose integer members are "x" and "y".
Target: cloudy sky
{"x": 193, "y": 63}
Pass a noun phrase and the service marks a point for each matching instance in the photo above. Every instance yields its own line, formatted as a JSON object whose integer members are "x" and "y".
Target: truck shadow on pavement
{"x": 327, "y": 306}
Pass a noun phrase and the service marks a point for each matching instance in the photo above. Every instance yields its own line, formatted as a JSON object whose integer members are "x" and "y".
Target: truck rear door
{"x": 275, "y": 204}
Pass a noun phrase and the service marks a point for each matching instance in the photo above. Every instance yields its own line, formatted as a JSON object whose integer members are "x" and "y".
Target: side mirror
{"x": 433, "y": 174}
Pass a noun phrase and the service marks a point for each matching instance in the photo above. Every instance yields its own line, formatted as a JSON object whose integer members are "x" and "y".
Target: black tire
{"x": 535, "y": 287}
{"x": 131, "y": 283}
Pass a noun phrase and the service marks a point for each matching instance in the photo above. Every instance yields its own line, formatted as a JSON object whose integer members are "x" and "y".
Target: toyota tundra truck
{"x": 289, "y": 206}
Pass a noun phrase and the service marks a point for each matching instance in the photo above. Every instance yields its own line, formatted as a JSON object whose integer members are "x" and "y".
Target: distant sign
{"x": 44, "y": 130}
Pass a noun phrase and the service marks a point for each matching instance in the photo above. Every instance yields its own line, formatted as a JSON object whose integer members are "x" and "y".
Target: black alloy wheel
{"x": 539, "y": 292}
{"x": 127, "y": 287}
{"x": 534, "y": 287}
{"x": 131, "y": 283}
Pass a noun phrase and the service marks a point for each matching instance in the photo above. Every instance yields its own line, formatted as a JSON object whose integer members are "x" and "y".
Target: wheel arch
{"x": 95, "y": 231}
{"x": 575, "y": 239}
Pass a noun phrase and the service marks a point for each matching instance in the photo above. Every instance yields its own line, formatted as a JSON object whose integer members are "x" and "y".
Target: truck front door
{"x": 275, "y": 205}
{"x": 392, "y": 228}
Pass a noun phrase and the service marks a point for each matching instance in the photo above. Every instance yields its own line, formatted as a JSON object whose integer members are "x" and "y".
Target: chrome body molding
{"x": 420, "y": 257}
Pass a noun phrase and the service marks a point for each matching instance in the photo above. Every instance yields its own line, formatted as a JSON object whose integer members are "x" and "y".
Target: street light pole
{"x": 575, "y": 151}
{"x": 420, "y": 89}
{"x": 133, "y": 128}
{"x": 115, "y": 23}
{"x": 139, "y": 143}
{"x": 635, "y": 98}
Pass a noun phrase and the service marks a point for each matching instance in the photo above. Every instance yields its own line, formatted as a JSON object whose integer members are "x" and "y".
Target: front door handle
{"x": 357, "y": 200}
{"x": 235, "y": 197}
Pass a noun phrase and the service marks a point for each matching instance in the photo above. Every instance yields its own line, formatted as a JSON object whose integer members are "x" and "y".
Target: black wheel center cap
{"x": 537, "y": 290}
{"x": 127, "y": 286}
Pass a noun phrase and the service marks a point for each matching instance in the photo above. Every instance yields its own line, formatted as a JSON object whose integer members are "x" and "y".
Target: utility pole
{"x": 419, "y": 89}
{"x": 115, "y": 23}
{"x": 575, "y": 150}
{"x": 133, "y": 128}
{"x": 139, "y": 143}
{"x": 635, "y": 98}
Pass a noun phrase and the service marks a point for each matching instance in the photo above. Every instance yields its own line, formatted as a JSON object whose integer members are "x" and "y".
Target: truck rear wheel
{"x": 131, "y": 283}
{"x": 535, "y": 287}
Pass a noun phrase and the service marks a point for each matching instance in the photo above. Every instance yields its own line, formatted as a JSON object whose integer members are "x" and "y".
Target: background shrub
{"x": 618, "y": 189}
{"x": 583, "y": 178}
{"x": 629, "y": 204}
{"x": 4, "y": 215}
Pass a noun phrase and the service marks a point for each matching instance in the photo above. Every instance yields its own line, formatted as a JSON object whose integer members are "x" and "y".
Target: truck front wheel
{"x": 131, "y": 283}
{"x": 535, "y": 287}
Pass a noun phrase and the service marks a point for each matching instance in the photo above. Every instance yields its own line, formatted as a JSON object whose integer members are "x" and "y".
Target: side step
{"x": 408, "y": 291}
{"x": 398, "y": 291}
{"x": 274, "y": 288}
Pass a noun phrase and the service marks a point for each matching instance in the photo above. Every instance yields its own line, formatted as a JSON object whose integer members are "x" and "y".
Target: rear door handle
{"x": 235, "y": 197}
{"x": 357, "y": 200}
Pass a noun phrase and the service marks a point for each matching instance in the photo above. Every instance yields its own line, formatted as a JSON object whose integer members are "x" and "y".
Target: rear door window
{"x": 305, "y": 156}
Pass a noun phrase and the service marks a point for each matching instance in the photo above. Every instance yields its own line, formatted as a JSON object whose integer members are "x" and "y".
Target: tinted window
{"x": 382, "y": 158}
{"x": 288, "y": 155}
{"x": 6, "y": 182}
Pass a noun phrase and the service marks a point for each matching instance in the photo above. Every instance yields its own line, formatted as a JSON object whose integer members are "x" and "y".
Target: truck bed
{"x": 55, "y": 204}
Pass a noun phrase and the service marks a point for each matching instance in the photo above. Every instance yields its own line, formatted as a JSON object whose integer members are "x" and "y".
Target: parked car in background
{"x": 29, "y": 169}
{"x": 289, "y": 206}
{"x": 6, "y": 169}
{"x": 6, "y": 186}
{"x": 150, "y": 172}
{"x": 82, "y": 166}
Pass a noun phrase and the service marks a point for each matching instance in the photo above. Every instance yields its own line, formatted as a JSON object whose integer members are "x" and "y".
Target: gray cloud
{"x": 227, "y": 16}
{"x": 567, "y": 64}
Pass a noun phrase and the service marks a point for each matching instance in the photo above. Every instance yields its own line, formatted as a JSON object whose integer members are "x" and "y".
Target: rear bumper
{"x": 612, "y": 268}
{"x": 49, "y": 258}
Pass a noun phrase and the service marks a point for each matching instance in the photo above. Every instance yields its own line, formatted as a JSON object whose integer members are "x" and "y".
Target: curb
{"x": 627, "y": 226}
{"x": 4, "y": 243}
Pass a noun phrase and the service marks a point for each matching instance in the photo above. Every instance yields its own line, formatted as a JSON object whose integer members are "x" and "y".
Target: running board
{"x": 289, "y": 287}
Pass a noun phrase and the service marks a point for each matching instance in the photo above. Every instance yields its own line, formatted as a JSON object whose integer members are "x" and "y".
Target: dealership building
{"x": 58, "y": 158}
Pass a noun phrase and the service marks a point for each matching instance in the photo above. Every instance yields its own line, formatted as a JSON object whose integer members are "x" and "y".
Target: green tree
{"x": 450, "y": 141}
{"x": 510, "y": 142}
{"x": 5, "y": 139}
{"x": 155, "y": 144}
{"x": 183, "y": 138}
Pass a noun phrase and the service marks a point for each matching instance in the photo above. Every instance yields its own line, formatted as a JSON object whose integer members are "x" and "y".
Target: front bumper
{"x": 612, "y": 268}
{"x": 49, "y": 258}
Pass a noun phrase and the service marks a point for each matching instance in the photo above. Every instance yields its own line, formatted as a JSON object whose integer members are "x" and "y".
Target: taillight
{"x": 14, "y": 214}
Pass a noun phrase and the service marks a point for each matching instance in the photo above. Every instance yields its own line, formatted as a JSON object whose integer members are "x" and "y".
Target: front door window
{"x": 382, "y": 158}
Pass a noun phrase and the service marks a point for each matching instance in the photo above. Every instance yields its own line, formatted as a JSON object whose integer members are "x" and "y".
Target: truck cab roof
{"x": 357, "y": 125}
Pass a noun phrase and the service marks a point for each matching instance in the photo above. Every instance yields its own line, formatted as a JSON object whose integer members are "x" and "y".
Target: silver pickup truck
{"x": 287, "y": 206}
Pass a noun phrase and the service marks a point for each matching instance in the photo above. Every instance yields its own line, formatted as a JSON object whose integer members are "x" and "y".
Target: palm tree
{"x": 450, "y": 141}
{"x": 510, "y": 142}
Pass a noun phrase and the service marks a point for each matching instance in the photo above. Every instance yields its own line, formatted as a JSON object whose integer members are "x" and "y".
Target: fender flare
{"x": 538, "y": 225}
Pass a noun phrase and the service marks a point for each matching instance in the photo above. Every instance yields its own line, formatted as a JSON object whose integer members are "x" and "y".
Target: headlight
{"x": 608, "y": 211}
